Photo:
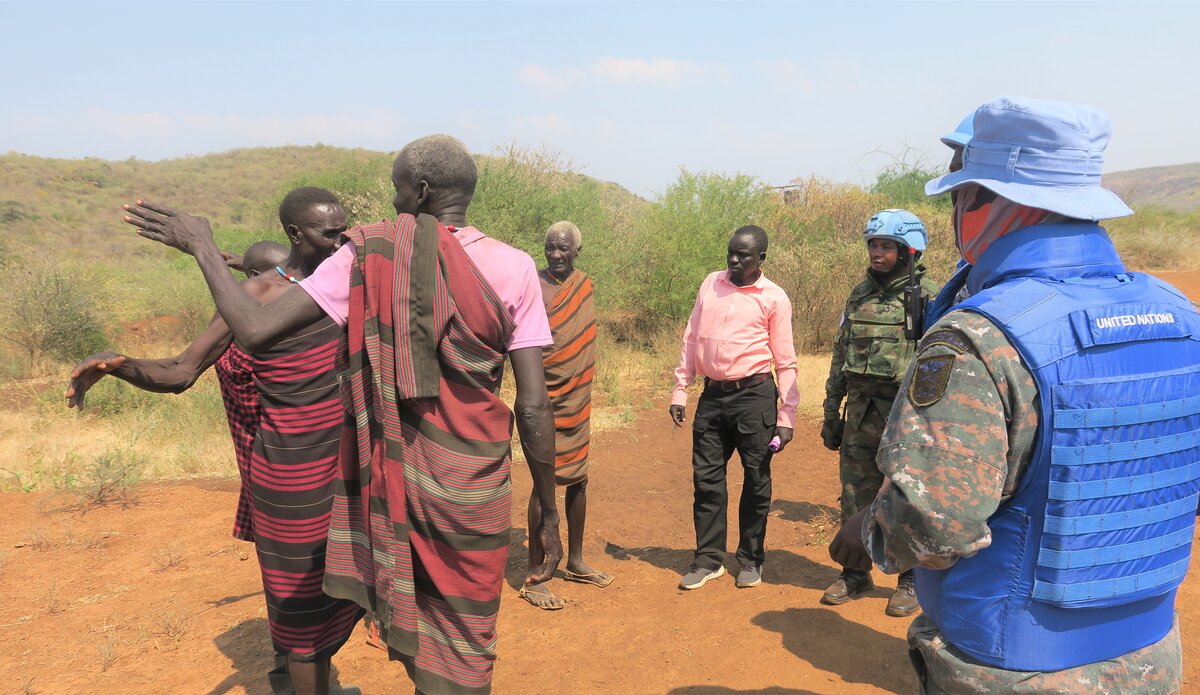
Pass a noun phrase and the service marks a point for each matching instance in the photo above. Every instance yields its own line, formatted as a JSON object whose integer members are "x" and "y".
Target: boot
{"x": 903, "y": 603}
{"x": 849, "y": 585}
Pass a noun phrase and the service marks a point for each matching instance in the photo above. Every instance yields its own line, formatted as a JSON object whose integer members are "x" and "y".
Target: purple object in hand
{"x": 774, "y": 445}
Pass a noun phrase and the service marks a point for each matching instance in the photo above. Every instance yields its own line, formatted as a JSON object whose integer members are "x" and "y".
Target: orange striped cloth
{"x": 570, "y": 365}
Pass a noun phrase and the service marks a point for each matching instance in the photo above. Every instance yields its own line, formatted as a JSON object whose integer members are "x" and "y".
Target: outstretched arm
{"x": 535, "y": 424}
{"x": 168, "y": 375}
{"x": 256, "y": 326}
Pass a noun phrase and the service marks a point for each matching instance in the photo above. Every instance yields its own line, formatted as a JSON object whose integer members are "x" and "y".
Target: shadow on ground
{"x": 518, "y": 558}
{"x": 858, "y": 653}
{"x": 805, "y": 512}
{"x": 248, "y": 646}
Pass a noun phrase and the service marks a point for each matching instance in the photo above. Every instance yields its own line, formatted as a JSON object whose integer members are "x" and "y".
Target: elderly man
{"x": 740, "y": 325}
{"x": 570, "y": 365}
{"x": 1040, "y": 467}
{"x": 420, "y": 525}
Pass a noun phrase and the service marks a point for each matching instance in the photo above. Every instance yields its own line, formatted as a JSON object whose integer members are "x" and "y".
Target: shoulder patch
{"x": 948, "y": 337}
{"x": 930, "y": 376}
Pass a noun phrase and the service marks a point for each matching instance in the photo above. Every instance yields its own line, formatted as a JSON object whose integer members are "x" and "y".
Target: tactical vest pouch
{"x": 876, "y": 349}
{"x": 1117, "y": 530}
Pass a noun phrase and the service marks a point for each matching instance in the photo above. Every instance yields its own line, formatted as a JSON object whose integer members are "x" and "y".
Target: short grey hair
{"x": 443, "y": 162}
{"x": 567, "y": 229}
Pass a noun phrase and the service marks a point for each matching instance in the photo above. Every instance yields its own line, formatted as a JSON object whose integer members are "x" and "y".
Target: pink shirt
{"x": 510, "y": 272}
{"x": 735, "y": 332}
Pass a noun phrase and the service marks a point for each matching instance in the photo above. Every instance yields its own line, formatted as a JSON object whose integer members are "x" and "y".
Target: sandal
{"x": 530, "y": 596}
{"x": 599, "y": 579}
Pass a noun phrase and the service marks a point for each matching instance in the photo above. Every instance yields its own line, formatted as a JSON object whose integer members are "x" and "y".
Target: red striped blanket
{"x": 420, "y": 526}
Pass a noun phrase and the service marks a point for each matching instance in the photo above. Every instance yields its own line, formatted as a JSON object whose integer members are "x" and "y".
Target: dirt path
{"x": 158, "y": 598}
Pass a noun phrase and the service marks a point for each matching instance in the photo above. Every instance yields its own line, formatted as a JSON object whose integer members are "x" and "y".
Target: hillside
{"x": 1174, "y": 188}
{"x": 76, "y": 202}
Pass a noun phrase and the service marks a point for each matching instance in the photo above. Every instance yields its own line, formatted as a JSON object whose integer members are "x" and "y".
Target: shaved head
{"x": 298, "y": 202}
{"x": 262, "y": 257}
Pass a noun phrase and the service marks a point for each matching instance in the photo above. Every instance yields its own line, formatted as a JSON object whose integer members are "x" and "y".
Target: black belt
{"x": 729, "y": 386}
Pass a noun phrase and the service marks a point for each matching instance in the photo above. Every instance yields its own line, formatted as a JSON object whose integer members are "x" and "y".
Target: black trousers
{"x": 744, "y": 421}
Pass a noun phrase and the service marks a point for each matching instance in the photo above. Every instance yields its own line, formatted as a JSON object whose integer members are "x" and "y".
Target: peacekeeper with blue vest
{"x": 1043, "y": 465}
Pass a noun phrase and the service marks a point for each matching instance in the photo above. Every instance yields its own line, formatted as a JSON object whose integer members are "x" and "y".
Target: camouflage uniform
{"x": 948, "y": 467}
{"x": 870, "y": 356}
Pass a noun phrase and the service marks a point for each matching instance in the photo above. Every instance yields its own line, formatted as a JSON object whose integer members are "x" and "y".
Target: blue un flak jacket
{"x": 1087, "y": 555}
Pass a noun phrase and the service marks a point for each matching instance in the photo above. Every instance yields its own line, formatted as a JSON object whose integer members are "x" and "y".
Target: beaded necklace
{"x": 286, "y": 276}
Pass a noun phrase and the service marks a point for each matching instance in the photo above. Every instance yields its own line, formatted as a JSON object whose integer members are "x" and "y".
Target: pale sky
{"x": 628, "y": 91}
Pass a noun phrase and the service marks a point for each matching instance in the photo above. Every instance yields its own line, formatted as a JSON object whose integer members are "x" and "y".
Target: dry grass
{"x": 122, "y": 435}
{"x": 168, "y": 556}
{"x": 37, "y": 540}
{"x": 173, "y": 625}
{"x": 52, "y": 605}
{"x": 107, "y": 652}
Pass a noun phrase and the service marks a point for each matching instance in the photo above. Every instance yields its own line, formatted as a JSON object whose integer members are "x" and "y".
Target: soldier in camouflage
{"x": 870, "y": 356}
{"x": 967, "y": 429}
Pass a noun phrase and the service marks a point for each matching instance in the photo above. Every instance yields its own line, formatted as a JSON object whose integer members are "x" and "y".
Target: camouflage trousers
{"x": 1153, "y": 670}
{"x": 867, "y": 409}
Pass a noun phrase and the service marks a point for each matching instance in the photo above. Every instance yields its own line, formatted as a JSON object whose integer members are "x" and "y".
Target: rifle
{"x": 914, "y": 301}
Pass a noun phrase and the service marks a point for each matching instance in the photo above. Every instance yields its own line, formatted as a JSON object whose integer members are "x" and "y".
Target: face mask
{"x": 981, "y": 217}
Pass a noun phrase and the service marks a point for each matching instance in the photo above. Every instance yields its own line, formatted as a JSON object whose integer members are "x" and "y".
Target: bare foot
{"x": 586, "y": 574}
{"x": 540, "y": 596}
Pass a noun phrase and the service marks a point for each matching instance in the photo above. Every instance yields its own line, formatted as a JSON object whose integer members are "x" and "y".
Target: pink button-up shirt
{"x": 735, "y": 332}
{"x": 511, "y": 273}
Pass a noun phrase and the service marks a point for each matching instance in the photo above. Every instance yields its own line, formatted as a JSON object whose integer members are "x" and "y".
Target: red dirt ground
{"x": 157, "y": 598}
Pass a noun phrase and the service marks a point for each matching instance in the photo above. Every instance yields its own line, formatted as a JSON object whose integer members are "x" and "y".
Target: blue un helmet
{"x": 901, "y": 226}
{"x": 962, "y": 134}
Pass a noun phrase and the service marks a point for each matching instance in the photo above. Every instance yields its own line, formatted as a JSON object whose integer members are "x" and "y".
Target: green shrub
{"x": 49, "y": 310}
{"x": 110, "y": 478}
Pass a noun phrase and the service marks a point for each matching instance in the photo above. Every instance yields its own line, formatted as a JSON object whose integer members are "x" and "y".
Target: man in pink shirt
{"x": 741, "y": 323}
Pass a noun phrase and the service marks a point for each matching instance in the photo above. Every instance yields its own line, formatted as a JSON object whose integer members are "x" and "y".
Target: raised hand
{"x": 85, "y": 375}
{"x": 234, "y": 261}
{"x": 167, "y": 226}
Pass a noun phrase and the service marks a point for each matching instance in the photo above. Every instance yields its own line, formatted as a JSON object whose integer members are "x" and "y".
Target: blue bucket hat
{"x": 962, "y": 134}
{"x": 1042, "y": 154}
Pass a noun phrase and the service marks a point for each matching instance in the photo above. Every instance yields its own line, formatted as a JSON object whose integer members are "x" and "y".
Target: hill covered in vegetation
{"x": 75, "y": 273}
{"x": 1175, "y": 188}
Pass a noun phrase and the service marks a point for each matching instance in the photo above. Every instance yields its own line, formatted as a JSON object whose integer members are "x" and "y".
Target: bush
{"x": 110, "y": 479}
{"x": 684, "y": 236}
{"x": 49, "y": 310}
{"x": 902, "y": 183}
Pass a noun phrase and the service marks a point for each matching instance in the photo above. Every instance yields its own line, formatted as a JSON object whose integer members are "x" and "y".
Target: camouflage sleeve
{"x": 957, "y": 440}
{"x": 929, "y": 287}
{"x": 835, "y": 385}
